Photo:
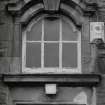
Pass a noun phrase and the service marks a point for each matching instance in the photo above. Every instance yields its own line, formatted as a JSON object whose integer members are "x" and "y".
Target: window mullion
{"x": 79, "y": 52}
{"x": 60, "y": 47}
{"x": 24, "y": 42}
{"x": 42, "y": 46}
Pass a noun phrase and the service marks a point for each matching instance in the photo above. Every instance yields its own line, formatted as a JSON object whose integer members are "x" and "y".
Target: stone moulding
{"x": 52, "y": 5}
{"x": 60, "y": 79}
{"x": 22, "y": 9}
{"x": 47, "y": 103}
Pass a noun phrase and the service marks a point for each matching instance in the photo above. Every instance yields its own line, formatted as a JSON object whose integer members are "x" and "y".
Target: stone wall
{"x": 7, "y": 50}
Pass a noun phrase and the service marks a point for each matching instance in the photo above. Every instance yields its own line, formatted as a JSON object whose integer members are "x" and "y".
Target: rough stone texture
{"x": 86, "y": 56}
{"x": 3, "y": 93}
{"x": 9, "y": 52}
{"x": 101, "y": 92}
{"x": 6, "y": 38}
{"x": 6, "y": 46}
{"x": 10, "y": 41}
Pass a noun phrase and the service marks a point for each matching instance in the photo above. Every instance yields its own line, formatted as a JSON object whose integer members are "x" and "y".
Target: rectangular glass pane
{"x": 35, "y": 32}
{"x": 33, "y": 55}
{"x": 51, "y": 30}
{"x": 67, "y": 32}
{"x": 51, "y": 55}
{"x": 69, "y": 55}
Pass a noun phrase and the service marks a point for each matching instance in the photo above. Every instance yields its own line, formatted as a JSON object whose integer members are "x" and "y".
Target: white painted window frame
{"x": 54, "y": 70}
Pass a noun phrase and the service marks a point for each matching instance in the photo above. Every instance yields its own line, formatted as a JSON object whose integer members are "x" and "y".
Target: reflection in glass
{"x": 67, "y": 32}
{"x": 69, "y": 55}
{"x": 51, "y": 30}
{"x": 36, "y": 32}
{"x": 51, "y": 57}
{"x": 33, "y": 55}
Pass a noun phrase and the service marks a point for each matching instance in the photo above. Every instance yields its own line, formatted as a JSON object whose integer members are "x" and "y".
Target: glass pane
{"x": 67, "y": 32}
{"x": 35, "y": 32}
{"x": 69, "y": 55}
{"x": 51, "y": 30}
{"x": 51, "y": 54}
{"x": 33, "y": 55}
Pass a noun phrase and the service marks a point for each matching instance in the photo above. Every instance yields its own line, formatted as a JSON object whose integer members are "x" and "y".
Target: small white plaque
{"x": 50, "y": 88}
{"x": 96, "y": 30}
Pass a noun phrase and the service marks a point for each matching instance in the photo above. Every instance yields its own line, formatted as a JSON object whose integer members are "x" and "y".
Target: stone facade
{"x": 10, "y": 54}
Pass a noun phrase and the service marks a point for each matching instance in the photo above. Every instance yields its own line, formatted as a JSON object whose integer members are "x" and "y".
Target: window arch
{"x": 51, "y": 44}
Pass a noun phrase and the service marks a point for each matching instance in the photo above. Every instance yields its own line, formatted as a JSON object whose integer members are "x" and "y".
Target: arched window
{"x": 51, "y": 45}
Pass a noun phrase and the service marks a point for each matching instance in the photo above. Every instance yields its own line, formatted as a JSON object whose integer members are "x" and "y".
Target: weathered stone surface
{"x": 10, "y": 48}
{"x": 3, "y": 93}
{"x": 101, "y": 92}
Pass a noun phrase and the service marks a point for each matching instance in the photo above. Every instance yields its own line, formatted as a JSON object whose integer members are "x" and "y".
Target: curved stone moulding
{"x": 29, "y": 9}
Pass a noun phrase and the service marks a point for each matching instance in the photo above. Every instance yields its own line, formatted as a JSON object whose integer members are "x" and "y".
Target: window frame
{"x": 23, "y": 102}
{"x": 60, "y": 69}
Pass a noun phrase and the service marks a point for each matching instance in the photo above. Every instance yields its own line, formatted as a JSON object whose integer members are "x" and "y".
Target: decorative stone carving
{"x": 86, "y": 7}
{"x": 51, "y": 5}
{"x": 26, "y": 10}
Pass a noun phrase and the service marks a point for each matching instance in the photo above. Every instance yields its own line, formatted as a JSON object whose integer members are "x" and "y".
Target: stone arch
{"x": 32, "y": 9}
{"x": 38, "y": 10}
{"x": 29, "y": 9}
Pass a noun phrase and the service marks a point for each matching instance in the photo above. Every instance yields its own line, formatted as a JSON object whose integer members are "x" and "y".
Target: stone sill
{"x": 60, "y": 79}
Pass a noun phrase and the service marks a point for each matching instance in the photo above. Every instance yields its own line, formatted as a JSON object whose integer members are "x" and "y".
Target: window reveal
{"x": 51, "y": 44}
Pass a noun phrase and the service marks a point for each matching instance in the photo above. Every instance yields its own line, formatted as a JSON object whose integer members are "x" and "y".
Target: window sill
{"x": 60, "y": 79}
{"x": 52, "y": 71}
